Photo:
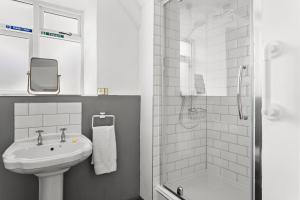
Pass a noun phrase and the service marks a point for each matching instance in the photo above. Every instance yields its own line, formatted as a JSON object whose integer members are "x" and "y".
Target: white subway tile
{"x": 42, "y": 108}
{"x": 21, "y": 109}
{"x": 228, "y": 156}
{"x": 195, "y": 160}
{"x": 228, "y": 101}
{"x": 213, "y": 151}
{"x": 229, "y": 138}
{"x": 172, "y": 157}
{"x": 229, "y": 119}
{"x": 21, "y": 134}
{"x": 28, "y": 121}
{"x": 213, "y": 134}
{"x": 238, "y": 168}
{"x": 200, "y": 167}
{"x": 221, "y": 145}
{"x": 182, "y": 164}
{"x": 238, "y": 149}
{"x": 244, "y": 161}
{"x": 75, "y": 119}
{"x": 186, "y": 153}
{"x": 68, "y": 108}
{"x": 220, "y": 162}
{"x": 245, "y": 141}
{"x": 238, "y": 130}
{"x": 229, "y": 174}
{"x": 55, "y": 120}
{"x": 174, "y": 175}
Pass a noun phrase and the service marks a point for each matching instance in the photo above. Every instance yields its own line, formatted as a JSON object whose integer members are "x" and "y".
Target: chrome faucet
{"x": 40, "y": 138}
{"x": 63, "y": 135}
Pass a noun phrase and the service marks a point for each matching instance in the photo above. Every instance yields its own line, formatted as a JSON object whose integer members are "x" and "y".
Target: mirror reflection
{"x": 209, "y": 50}
{"x": 43, "y": 76}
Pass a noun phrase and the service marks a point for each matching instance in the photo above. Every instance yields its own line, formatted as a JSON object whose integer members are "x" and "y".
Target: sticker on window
{"x": 52, "y": 34}
{"x": 18, "y": 28}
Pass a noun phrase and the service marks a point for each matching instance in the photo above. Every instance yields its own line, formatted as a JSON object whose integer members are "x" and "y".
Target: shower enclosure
{"x": 206, "y": 102}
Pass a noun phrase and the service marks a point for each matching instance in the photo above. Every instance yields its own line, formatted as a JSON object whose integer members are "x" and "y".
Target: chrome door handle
{"x": 239, "y": 93}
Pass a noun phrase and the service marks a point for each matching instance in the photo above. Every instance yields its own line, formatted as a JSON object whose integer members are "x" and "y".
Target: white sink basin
{"x": 48, "y": 161}
{"x": 26, "y": 157}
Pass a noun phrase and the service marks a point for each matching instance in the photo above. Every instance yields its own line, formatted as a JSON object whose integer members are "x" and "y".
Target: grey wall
{"x": 80, "y": 182}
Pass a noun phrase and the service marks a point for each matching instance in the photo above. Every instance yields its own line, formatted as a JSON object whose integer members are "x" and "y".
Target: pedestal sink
{"x": 48, "y": 161}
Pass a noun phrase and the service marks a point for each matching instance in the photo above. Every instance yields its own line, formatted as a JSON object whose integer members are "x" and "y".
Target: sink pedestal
{"x": 51, "y": 185}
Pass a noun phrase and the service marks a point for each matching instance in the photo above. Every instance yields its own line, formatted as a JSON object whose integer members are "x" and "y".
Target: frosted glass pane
{"x": 68, "y": 55}
{"x": 14, "y": 62}
{"x": 16, "y": 13}
{"x": 60, "y": 23}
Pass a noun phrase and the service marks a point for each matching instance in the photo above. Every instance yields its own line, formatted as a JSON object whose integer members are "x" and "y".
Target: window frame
{"x": 39, "y": 8}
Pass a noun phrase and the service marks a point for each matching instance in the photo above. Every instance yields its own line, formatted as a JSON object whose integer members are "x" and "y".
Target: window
{"x": 186, "y": 70}
{"x": 14, "y": 58}
{"x": 16, "y": 13}
{"x": 58, "y": 35}
{"x": 61, "y": 23}
{"x": 68, "y": 55}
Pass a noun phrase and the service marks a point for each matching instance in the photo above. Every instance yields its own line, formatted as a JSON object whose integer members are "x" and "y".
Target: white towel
{"x": 104, "y": 150}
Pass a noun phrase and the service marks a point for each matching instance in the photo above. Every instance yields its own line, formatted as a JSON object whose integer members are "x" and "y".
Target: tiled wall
{"x": 50, "y": 117}
{"x": 178, "y": 152}
{"x": 222, "y": 142}
{"x": 229, "y": 138}
{"x": 183, "y": 149}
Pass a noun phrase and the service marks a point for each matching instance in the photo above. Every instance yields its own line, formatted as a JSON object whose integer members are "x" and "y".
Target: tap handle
{"x": 39, "y": 132}
{"x": 63, "y": 129}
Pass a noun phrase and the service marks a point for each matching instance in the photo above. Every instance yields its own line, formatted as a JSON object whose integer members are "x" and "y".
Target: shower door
{"x": 206, "y": 99}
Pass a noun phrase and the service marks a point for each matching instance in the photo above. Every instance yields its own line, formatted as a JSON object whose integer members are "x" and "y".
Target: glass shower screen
{"x": 205, "y": 148}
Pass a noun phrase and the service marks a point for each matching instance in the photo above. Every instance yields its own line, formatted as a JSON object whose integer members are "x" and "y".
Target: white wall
{"x": 146, "y": 84}
{"x": 118, "y": 33}
{"x": 280, "y": 148}
{"x": 90, "y": 40}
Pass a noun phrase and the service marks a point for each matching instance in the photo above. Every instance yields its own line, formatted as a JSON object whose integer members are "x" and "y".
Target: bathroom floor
{"x": 208, "y": 187}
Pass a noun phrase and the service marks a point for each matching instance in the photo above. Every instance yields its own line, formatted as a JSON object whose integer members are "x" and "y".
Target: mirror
{"x": 213, "y": 44}
{"x": 43, "y": 77}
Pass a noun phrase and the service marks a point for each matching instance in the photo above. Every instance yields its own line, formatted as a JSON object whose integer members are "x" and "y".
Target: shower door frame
{"x": 256, "y": 98}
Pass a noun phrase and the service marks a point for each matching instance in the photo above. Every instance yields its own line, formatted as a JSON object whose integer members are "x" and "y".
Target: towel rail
{"x": 103, "y": 116}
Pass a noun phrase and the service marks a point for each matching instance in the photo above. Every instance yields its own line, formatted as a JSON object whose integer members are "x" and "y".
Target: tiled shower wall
{"x": 229, "y": 138}
{"x": 183, "y": 149}
{"x": 222, "y": 142}
{"x": 179, "y": 152}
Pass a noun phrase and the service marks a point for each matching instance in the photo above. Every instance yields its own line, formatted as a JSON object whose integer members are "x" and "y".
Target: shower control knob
{"x": 180, "y": 191}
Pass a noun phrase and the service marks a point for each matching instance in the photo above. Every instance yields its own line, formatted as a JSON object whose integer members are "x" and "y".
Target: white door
{"x": 279, "y": 20}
